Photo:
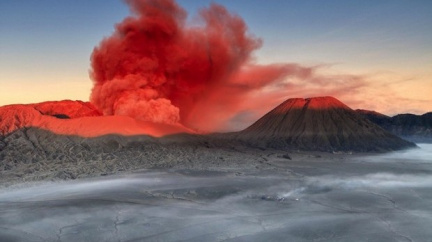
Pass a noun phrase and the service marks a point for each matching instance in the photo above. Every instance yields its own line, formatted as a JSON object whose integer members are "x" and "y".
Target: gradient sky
{"x": 383, "y": 48}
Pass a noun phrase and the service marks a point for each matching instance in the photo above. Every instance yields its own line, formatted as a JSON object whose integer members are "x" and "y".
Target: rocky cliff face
{"x": 14, "y": 117}
{"x": 323, "y": 124}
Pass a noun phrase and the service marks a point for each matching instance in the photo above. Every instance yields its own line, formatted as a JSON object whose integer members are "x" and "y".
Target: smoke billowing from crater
{"x": 156, "y": 67}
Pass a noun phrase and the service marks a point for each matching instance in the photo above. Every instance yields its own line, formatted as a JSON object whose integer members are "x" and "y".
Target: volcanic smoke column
{"x": 157, "y": 68}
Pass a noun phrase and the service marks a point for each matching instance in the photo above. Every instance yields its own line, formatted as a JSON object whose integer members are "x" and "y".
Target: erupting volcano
{"x": 161, "y": 73}
{"x": 158, "y": 150}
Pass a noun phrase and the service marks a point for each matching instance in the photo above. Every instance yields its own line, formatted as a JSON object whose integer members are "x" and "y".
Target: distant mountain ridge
{"x": 416, "y": 128}
{"x": 322, "y": 123}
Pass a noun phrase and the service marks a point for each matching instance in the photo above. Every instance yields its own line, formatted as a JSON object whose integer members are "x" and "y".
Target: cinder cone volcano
{"x": 321, "y": 123}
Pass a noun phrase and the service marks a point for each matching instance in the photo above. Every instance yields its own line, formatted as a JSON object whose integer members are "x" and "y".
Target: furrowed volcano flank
{"x": 322, "y": 123}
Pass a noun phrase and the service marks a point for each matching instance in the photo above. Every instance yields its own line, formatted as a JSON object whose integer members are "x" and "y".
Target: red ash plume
{"x": 155, "y": 67}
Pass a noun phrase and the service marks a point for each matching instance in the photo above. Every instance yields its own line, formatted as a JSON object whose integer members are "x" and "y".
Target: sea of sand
{"x": 298, "y": 196}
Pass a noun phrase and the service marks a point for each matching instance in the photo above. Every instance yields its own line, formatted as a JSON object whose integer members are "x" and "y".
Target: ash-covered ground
{"x": 386, "y": 197}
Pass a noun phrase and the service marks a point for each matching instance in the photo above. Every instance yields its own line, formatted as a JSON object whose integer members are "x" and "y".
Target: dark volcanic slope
{"x": 413, "y": 127}
{"x": 323, "y": 124}
{"x": 37, "y": 154}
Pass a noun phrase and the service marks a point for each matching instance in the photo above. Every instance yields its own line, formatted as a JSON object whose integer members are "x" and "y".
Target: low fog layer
{"x": 366, "y": 198}
{"x": 422, "y": 154}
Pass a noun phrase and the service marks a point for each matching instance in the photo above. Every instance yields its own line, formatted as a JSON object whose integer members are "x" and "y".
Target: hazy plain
{"x": 385, "y": 197}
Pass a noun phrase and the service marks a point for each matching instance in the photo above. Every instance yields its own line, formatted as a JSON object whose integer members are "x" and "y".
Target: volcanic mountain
{"x": 321, "y": 123}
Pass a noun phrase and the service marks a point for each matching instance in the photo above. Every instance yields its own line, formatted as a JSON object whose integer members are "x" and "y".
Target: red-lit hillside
{"x": 67, "y": 109}
{"x": 77, "y": 118}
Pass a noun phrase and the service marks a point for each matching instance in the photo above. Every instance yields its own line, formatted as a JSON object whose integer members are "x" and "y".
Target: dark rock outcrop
{"x": 61, "y": 116}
